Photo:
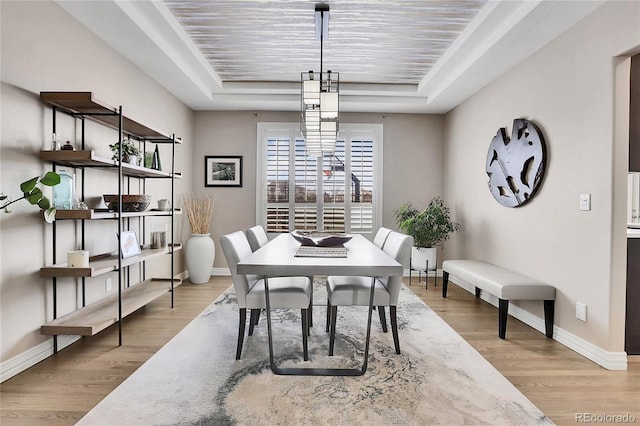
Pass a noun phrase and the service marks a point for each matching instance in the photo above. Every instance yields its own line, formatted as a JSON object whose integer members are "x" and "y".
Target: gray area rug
{"x": 439, "y": 379}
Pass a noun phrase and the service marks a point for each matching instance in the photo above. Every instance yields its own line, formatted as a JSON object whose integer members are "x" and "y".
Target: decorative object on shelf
{"x": 516, "y": 165}
{"x": 64, "y": 193}
{"x": 200, "y": 248}
{"x": 429, "y": 228}
{"x": 129, "y": 244}
{"x": 155, "y": 161}
{"x": 223, "y": 170}
{"x": 68, "y": 147}
{"x": 130, "y": 202}
{"x": 164, "y": 204}
{"x": 158, "y": 236}
{"x": 78, "y": 258}
{"x": 55, "y": 143}
{"x": 130, "y": 152}
{"x": 319, "y": 98}
{"x": 33, "y": 194}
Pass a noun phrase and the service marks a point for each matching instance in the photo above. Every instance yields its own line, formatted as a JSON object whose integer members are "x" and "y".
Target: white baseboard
{"x": 606, "y": 359}
{"x": 31, "y": 357}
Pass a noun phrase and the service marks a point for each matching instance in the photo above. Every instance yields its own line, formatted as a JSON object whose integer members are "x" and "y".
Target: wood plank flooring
{"x": 562, "y": 383}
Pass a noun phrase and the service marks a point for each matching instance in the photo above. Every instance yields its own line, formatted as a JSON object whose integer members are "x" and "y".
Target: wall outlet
{"x": 581, "y": 311}
{"x": 108, "y": 285}
{"x": 585, "y": 202}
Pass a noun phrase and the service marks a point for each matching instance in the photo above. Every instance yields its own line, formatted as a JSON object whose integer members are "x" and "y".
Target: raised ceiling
{"x": 392, "y": 56}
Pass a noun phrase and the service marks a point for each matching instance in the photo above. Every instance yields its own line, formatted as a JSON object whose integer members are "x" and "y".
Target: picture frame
{"x": 223, "y": 170}
{"x": 129, "y": 244}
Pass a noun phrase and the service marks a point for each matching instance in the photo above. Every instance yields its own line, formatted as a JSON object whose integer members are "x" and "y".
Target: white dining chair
{"x": 355, "y": 291}
{"x": 257, "y": 237}
{"x": 284, "y": 292}
{"x": 381, "y": 236}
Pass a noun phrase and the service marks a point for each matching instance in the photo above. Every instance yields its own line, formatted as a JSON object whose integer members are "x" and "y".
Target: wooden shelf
{"x": 94, "y": 318}
{"x": 90, "y": 159}
{"x": 103, "y": 265}
{"x": 84, "y": 104}
{"x": 103, "y": 214}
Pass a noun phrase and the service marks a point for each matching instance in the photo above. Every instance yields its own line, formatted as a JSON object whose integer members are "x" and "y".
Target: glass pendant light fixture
{"x": 319, "y": 100}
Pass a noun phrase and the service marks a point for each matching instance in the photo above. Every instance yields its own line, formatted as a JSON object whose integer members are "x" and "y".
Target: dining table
{"x": 278, "y": 258}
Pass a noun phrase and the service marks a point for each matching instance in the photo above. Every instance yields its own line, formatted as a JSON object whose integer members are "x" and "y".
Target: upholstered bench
{"x": 505, "y": 285}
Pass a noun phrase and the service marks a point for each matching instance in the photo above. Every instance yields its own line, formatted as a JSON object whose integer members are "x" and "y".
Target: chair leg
{"x": 305, "y": 332}
{"x": 394, "y": 328}
{"x": 332, "y": 335}
{"x": 383, "y": 318}
{"x": 241, "y": 323}
{"x": 253, "y": 320}
{"x": 503, "y": 308}
{"x": 311, "y": 306}
{"x": 328, "y": 317}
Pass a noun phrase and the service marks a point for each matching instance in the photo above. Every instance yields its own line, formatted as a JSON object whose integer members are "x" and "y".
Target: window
{"x": 341, "y": 192}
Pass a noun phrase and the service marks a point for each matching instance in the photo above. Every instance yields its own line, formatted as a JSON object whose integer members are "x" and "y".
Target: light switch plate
{"x": 585, "y": 202}
{"x": 581, "y": 311}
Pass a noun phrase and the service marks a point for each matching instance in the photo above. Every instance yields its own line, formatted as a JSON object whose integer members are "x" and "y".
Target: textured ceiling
{"x": 385, "y": 42}
{"x": 412, "y": 56}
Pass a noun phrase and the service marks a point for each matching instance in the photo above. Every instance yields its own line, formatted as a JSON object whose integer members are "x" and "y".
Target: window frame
{"x": 348, "y": 132}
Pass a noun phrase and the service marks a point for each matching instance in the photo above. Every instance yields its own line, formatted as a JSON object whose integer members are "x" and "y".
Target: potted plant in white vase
{"x": 429, "y": 228}
{"x": 130, "y": 152}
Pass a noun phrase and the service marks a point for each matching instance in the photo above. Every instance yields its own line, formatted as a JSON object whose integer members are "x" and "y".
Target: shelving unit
{"x": 93, "y": 318}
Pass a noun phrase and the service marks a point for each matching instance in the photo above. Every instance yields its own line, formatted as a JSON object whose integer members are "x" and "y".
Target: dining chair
{"x": 284, "y": 292}
{"x": 257, "y": 237}
{"x": 355, "y": 291}
{"x": 381, "y": 236}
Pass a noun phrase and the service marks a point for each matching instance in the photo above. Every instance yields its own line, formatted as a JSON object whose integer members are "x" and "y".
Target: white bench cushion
{"x": 500, "y": 282}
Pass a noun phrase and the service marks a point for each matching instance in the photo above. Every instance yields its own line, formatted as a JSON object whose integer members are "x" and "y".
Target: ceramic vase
{"x": 200, "y": 253}
{"x": 423, "y": 256}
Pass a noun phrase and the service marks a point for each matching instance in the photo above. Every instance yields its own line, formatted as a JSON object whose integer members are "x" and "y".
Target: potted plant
{"x": 429, "y": 228}
{"x": 33, "y": 194}
{"x": 130, "y": 152}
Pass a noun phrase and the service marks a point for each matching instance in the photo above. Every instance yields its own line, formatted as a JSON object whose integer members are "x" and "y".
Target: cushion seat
{"x": 350, "y": 291}
{"x": 504, "y": 284}
{"x": 284, "y": 292}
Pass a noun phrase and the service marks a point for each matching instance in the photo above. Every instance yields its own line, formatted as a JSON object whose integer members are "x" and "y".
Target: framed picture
{"x": 223, "y": 171}
{"x": 129, "y": 244}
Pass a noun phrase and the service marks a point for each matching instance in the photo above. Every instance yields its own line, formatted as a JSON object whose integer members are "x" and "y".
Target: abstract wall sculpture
{"x": 516, "y": 165}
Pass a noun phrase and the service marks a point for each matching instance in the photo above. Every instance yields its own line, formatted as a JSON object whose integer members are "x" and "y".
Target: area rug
{"x": 439, "y": 379}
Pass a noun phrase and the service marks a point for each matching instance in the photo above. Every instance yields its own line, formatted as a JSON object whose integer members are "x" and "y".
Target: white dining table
{"x": 277, "y": 258}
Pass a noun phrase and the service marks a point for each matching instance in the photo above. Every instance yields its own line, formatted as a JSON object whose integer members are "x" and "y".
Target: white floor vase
{"x": 200, "y": 253}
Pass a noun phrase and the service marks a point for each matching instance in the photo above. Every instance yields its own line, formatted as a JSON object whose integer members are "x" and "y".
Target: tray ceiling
{"x": 392, "y": 56}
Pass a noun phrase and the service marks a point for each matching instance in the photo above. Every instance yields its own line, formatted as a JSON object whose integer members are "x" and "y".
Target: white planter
{"x": 200, "y": 253}
{"x": 421, "y": 255}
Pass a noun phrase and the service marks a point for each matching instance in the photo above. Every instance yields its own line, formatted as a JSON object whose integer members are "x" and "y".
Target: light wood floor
{"x": 62, "y": 388}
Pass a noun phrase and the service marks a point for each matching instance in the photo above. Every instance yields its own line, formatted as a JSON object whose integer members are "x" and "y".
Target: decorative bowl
{"x": 320, "y": 238}
{"x": 130, "y": 202}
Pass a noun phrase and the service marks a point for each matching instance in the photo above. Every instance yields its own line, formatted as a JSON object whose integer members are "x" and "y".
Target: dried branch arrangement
{"x": 199, "y": 212}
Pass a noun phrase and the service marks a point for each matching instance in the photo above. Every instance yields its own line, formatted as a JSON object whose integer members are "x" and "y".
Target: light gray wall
{"x": 568, "y": 89}
{"x": 44, "y": 49}
{"x": 412, "y": 167}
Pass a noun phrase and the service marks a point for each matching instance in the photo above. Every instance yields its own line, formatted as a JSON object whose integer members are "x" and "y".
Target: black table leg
{"x": 311, "y": 371}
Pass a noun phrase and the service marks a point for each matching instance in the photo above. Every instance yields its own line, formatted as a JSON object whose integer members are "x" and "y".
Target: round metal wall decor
{"x": 515, "y": 165}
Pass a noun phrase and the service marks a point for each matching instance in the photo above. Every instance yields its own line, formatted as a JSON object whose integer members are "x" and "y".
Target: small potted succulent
{"x": 130, "y": 152}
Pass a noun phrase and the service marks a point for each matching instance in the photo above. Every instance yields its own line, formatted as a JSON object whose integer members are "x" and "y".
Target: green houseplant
{"x": 429, "y": 228}
{"x": 130, "y": 152}
{"x": 33, "y": 194}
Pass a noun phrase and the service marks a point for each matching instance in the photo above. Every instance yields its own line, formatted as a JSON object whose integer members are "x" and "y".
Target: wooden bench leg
{"x": 445, "y": 283}
{"x": 549, "y": 306}
{"x": 503, "y": 308}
